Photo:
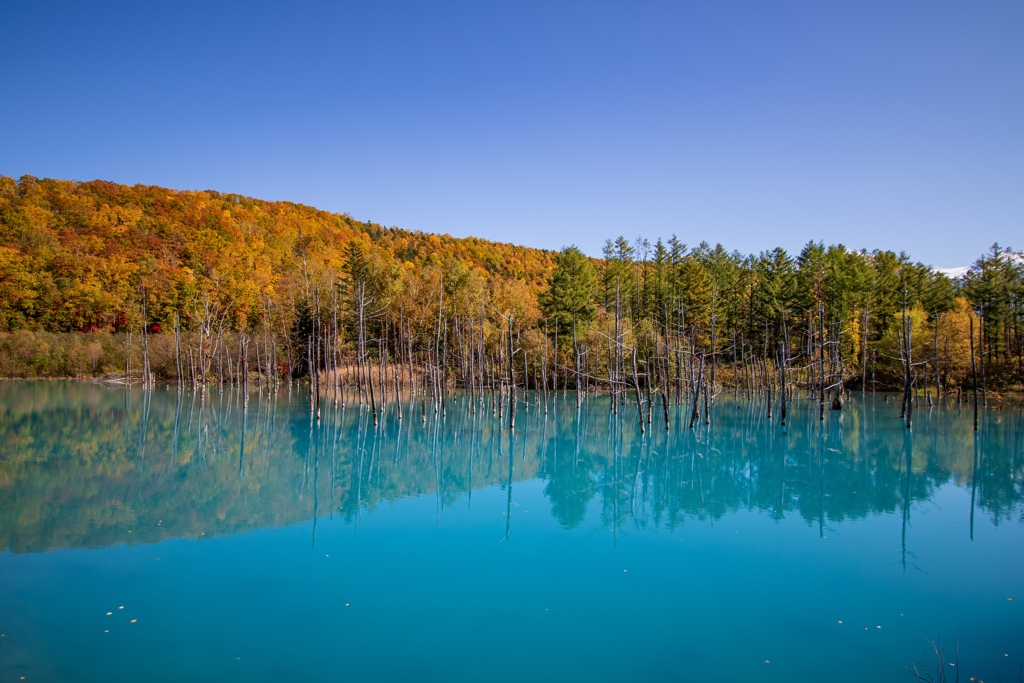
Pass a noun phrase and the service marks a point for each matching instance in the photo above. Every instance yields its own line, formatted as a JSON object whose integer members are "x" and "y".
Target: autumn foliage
{"x": 73, "y": 255}
{"x": 83, "y": 263}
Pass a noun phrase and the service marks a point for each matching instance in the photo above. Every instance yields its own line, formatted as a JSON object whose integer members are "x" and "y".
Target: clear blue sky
{"x": 895, "y": 125}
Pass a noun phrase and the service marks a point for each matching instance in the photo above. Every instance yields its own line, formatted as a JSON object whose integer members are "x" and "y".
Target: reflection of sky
{"x": 413, "y": 589}
{"x": 877, "y": 124}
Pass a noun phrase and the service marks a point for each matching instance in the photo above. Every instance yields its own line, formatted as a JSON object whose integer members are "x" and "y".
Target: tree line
{"x": 205, "y": 287}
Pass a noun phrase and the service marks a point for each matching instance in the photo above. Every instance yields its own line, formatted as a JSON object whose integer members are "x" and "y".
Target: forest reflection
{"x": 85, "y": 465}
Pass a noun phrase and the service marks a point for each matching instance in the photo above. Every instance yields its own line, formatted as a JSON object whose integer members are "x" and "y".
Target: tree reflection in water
{"x": 81, "y": 465}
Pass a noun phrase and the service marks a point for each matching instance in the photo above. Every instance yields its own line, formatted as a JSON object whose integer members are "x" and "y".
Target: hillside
{"x": 72, "y": 254}
{"x": 226, "y": 272}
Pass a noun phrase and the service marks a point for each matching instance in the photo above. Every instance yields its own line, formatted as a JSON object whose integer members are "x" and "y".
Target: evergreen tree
{"x": 569, "y": 297}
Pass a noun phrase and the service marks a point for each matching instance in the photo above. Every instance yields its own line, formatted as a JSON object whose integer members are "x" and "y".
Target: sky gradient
{"x": 893, "y": 125}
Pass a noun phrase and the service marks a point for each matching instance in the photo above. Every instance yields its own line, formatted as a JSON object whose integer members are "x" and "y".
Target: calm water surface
{"x": 249, "y": 543}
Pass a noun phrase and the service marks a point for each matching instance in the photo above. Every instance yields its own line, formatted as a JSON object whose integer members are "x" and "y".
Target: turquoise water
{"x": 251, "y": 543}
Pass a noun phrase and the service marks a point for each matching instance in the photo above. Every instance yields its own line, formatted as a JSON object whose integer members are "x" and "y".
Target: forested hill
{"x": 73, "y": 254}
{"x": 225, "y": 271}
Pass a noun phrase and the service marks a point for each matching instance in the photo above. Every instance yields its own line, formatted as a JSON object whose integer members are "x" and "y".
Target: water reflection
{"x": 83, "y": 465}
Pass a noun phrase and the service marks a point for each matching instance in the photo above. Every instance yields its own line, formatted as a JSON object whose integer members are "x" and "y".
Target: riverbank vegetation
{"x": 203, "y": 287}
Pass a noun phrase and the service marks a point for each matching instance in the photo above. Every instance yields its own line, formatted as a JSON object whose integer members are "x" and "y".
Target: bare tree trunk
{"x": 618, "y": 349}
{"x": 472, "y": 366}
{"x": 974, "y": 373}
{"x": 128, "y": 357}
{"x": 544, "y": 367}
{"x": 442, "y": 371}
{"x": 679, "y": 355}
{"x": 177, "y": 348}
{"x": 266, "y": 343}
{"x": 576, "y": 357}
{"x": 935, "y": 342}
{"x": 647, "y": 383}
{"x": 821, "y": 361}
{"x": 864, "y": 353}
{"x": 714, "y": 347}
{"x": 664, "y": 387}
{"x": 908, "y": 362}
{"x": 695, "y": 414}
{"x": 981, "y": 353}
{"x": 782, "y": 387}
{"x": 511, "y": 378}
{"x": 145, "y": 349}
{"x": 554, "y": 369}
{"x": 636, "y": 388}
{"x": 368, "y": 367}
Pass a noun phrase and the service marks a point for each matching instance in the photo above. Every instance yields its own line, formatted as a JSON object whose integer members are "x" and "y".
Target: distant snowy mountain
{"x": 953, "y": 273}
{"x": 1014, "y": 258}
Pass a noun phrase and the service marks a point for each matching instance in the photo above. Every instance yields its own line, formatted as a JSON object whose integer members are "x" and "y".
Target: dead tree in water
{"x": 368, "y": 369}
{"x": 636, "y": 388}
{"x": 128, "y": 356}
{"x": 782, "y": 384}
{"x": 974, "y": 373}
{"x": 544, "y": 367}
{"x": 576, "y": 357}
{"x": 981, "y": 353}
{"x": 864, "y": 351}
{"x": 821, "y": 362}
{"x": 179, "y": 368}
{"x": 908, "y": 405}
{"x": 511, "y": 378}
{"x": 784, "y": 354}
{"x": 664, "y": 388}
{"x": 695, "y": 413}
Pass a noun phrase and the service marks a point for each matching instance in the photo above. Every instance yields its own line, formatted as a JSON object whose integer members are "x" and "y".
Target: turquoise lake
{"x": 232, "y": 541}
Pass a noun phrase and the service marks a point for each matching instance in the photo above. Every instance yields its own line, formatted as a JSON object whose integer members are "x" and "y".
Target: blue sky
{"x": 893, "y": 125}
